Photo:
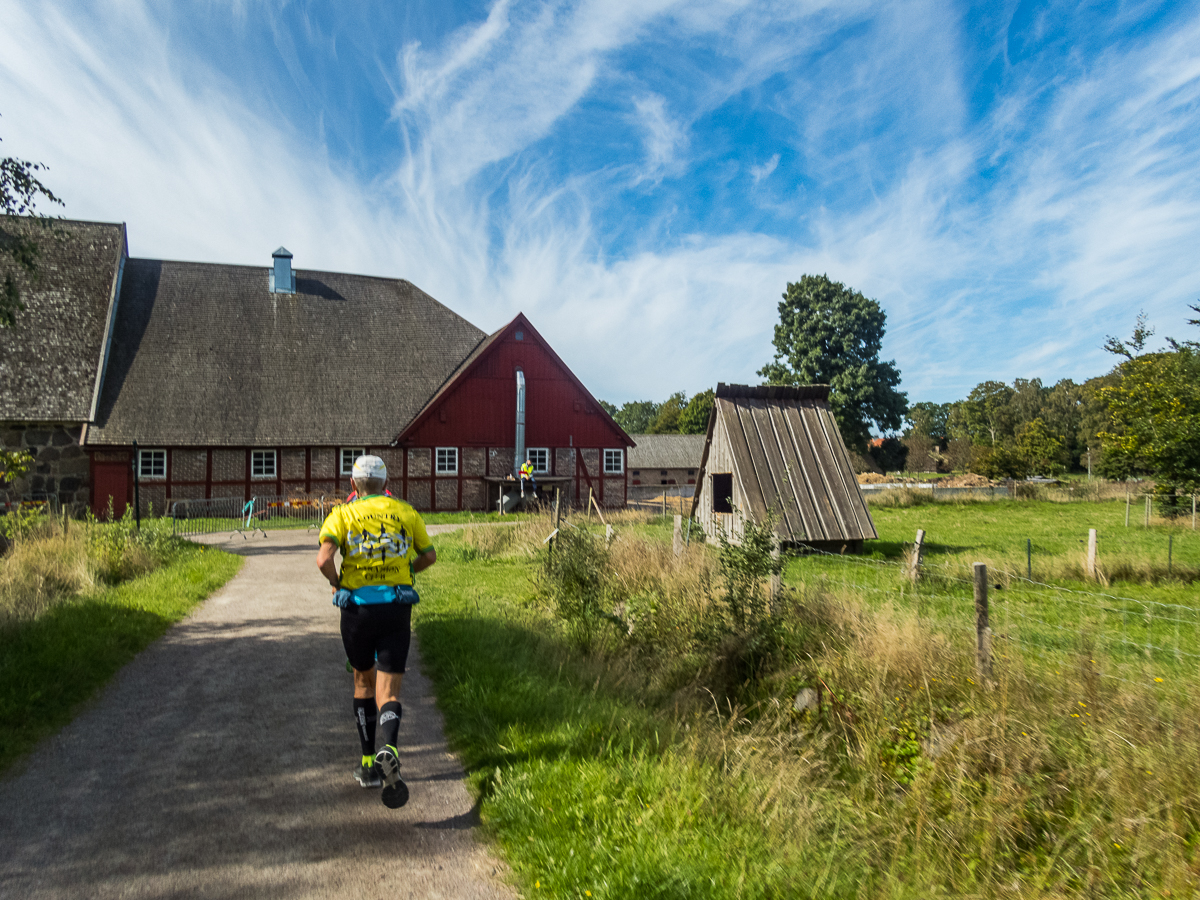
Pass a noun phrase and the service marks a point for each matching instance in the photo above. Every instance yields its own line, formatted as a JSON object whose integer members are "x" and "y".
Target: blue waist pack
{"x": 376, "y": 594}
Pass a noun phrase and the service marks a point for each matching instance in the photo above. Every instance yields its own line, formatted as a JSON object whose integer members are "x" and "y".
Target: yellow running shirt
{"x": 379, "y": 536}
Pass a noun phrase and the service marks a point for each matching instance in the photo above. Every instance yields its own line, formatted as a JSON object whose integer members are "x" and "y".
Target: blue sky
{"x": 1012, "y": 181}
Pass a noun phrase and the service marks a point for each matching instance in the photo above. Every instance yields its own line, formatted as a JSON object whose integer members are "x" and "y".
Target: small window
{"x": 636, "y": 473}
{"x": 691, "y": 471}
{"x": 262, "y": 463}
{"x": 152, "y": 463}
{"x": 447, "y": 461}
{"x": 663, "y": 472}
{"x": 614, "y": 462}
{"x": 722, "y": 488}
{"x": 349, "y": 455}
{"x": 520, "y": 335}
{"x": 540, "y": 457}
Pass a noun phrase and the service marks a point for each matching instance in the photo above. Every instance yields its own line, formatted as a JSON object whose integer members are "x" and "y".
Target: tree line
{"x": 1142, "y": 418}
{"x": 676, "y": 415}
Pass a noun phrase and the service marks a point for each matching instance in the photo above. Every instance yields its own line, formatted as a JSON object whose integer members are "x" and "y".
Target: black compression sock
{"x": 364, "y": 718}
{"x": 389, "y": 721}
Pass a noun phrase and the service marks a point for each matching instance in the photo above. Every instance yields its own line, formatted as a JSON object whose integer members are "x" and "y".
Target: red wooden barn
{"x": 241, "y": 381}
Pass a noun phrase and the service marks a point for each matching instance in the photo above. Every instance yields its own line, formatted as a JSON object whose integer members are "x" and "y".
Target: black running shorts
{"x": 382, "y": 629}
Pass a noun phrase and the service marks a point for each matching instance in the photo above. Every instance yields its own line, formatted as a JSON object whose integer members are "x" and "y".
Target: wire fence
{"x": 664, "y": 499}
{"x": 1107, "y": 632}
{"x": 218, "y": 514}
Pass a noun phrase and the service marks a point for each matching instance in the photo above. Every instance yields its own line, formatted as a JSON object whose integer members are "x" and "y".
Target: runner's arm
{"x": 424, "y": 560}
{"x": 326, "y": 564}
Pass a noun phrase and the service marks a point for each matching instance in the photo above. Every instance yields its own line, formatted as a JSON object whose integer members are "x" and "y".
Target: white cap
{"x": 369, "y": 467}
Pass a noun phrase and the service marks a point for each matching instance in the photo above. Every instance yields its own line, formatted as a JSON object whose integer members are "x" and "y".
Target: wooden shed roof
{"x": 789, "y": 458}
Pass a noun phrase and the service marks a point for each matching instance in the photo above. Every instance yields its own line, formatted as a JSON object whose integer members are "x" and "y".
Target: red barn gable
{"x": 573, "y": 441}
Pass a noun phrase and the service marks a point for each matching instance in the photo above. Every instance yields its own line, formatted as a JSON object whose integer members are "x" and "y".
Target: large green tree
{"x": 635, "y": 416}
{"x": 831, "y": 334}
{"x": 19, "y": 193}
{"x": 694, "y": 418}
{"x": 1154, "y": 419}
{"x": 988, "y": 413}
{"x": 669, "y": 411}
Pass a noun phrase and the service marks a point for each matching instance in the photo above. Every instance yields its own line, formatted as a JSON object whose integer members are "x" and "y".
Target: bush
{"x": 576, "y": 582}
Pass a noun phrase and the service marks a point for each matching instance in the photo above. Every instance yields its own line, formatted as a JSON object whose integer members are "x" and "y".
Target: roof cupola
{"x": 282, "y": 278}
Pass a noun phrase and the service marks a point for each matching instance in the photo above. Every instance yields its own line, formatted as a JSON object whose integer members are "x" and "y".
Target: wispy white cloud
{"x": 664, "y": 137}
{"x": 759, "y": 172}
{"x": 1004, "y": 243}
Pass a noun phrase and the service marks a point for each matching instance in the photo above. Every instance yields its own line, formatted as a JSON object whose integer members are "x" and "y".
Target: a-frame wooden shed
{"x": 776, "y": 449}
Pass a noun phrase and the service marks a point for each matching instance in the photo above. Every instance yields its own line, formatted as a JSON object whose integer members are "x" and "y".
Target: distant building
{"x": 659, "y": 459}
{"x": 247, "y": 380}
{"x": 777, "y": 451}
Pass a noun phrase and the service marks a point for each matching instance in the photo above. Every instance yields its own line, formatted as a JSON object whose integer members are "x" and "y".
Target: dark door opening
{"x": 722, "y": 493}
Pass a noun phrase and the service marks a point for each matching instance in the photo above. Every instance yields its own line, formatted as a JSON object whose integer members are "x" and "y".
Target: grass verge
{"x": 54, "y": 663}
{"x": 666, "y": 759}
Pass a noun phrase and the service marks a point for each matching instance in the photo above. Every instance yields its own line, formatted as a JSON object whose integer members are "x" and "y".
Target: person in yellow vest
{"x": 383, "y": 543}
{"x": 527, "y": 476}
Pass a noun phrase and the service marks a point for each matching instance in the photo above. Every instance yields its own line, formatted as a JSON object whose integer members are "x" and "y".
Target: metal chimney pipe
{"x": 520, "y": 454}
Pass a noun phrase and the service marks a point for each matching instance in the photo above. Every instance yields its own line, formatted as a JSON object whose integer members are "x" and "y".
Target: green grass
{"x": 52, "y": 665}
{"x": 1143, "y": 618}
{"x": 598, "y": 778}
{"x": 578, "y": 783}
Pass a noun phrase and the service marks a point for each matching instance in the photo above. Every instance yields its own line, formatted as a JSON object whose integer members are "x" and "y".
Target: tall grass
{"x": 668, "y": 756}
{"x": 77, "y": 602}
{"x": 53, "y": 560}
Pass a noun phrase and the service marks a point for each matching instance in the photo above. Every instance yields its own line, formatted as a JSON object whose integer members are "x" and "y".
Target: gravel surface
{"x": 217, "y": 764}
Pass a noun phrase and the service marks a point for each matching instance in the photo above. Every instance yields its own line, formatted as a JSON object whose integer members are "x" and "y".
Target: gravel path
{"x": 217, "y": 764}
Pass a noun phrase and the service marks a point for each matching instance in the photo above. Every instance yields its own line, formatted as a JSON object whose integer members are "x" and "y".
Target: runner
{"x": 383, "y": 544}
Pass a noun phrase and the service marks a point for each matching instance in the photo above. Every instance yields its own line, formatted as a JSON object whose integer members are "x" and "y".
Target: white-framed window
{"x": 349, "y": 455}
{"x": 614, "y": 462}
{"x": 262, "y": 464}
{"x": 152, "y": 463}
{"x": 446, "y": 461}
{"x": 540, "y": 457}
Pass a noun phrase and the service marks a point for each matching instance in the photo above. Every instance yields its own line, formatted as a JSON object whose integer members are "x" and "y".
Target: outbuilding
{"x": 774, "y": 453}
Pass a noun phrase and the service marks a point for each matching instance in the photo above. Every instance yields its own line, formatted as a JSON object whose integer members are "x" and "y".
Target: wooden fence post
{"x": 557, "y": 509}
{"x": 1193, "y": 512}
{"x": 914, "y": 571}
{"x": 776, "y": 582}
{"x": 1091, "y": 554}
{"x": 677, "y": 536}
{"x": 1029, "y": 558}
{"x": 1170, "y": 551}
{"x": 608, "y": 534}
{"x": 983, "y": 633}
{"x": 1147, "y": 510}
{"x": 1127, "y": 508}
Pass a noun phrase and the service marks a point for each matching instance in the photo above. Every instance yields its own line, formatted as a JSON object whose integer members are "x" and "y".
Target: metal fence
{"x": 47, "y": 503}
{"x": 232, "y": 514}
{"x": 662, "y": 498}
{"x": 999, "y": 491}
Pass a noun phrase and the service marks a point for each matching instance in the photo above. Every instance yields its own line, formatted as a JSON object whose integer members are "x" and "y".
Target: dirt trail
{"x": 217, "y": 764}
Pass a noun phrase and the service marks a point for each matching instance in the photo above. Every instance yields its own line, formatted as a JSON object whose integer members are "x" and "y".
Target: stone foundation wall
{"x": 60, "y": 467}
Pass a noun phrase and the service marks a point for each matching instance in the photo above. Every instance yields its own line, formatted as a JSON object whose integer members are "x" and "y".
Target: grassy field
{"x": 76, "y": 607}
{"x": 662, "y": 758}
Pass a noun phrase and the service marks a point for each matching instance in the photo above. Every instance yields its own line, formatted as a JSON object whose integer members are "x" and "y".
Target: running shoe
{"x": 395, "y": 791}
{"x": 366, "y": 773}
